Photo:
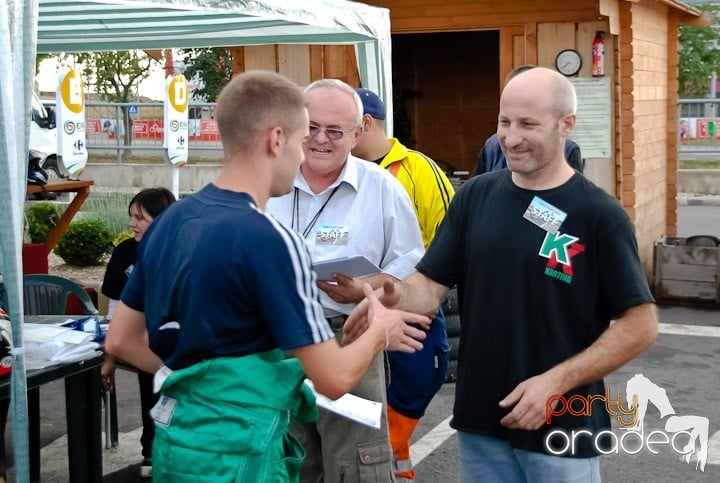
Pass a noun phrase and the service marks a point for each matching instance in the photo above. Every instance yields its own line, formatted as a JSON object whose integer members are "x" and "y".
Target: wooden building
{"x": 450, "y": 58}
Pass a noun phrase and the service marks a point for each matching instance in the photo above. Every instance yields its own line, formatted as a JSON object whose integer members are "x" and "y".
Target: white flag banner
{"x": 176, "y": 120}
{"x": 71, "y": 140}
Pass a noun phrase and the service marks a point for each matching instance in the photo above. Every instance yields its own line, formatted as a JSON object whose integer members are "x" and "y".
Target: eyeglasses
{"x": 331, "y": 133}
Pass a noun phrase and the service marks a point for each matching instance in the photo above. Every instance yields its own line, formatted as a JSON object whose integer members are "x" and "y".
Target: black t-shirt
{"x": 529, "y": 298}
{"x": 119, "y": 268}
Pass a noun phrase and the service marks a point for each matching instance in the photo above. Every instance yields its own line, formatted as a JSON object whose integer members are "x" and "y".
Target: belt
{"x": 337, "y": 322}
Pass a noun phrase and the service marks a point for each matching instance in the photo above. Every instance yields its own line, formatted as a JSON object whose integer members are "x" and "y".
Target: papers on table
{"x": 47, "y": 345}
{"x": 356, "y": 266}
{"x": 355, "y": 408}
{"x": 41, "y": 333}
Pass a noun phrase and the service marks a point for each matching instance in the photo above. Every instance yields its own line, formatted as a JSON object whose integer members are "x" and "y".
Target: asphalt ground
{"x": 683, "y": 362}
{"x": 685, "y": 366}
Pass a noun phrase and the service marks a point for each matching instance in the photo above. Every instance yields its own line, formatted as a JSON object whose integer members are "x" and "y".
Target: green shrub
{"x": 84, "y": 243}
{"x": 41, "y": 218}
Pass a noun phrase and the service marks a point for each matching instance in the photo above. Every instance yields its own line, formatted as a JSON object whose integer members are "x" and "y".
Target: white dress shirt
{"x": 366, "y": 211}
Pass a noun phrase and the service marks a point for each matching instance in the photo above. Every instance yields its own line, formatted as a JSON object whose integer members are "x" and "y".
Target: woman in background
{"x": 145, "y": 206}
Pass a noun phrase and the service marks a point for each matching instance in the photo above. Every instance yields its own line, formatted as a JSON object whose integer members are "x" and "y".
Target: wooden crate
{"x": 685, "y": 273}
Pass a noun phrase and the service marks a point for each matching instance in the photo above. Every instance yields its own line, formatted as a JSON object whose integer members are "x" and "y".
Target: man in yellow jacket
{"x": 414, "y": 378}
{"x": 429, "y": 189}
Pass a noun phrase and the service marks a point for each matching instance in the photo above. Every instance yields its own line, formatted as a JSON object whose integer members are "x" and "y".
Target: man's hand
{"x": 529, "y": 402}
{"x": 399, "y": 335}
{"x": 632, "y": 333}
{"x": 107, "y": 373}
{"x": 346, "y": 291}
{"x": 357, "y": 321}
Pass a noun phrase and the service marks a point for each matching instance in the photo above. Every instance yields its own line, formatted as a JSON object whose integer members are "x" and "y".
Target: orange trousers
{"x": 401, "y": 429}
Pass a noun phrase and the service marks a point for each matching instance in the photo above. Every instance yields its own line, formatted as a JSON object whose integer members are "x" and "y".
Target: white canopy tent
{"x": 45, "y": 26}
{"x": 96, "y": 25}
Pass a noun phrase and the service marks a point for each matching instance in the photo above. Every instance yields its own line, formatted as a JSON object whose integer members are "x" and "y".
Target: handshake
{"x": 370, "y": 313}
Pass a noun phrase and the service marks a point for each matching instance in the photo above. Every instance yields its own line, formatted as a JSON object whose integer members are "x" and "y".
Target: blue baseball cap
{"x": 372, "y": 104}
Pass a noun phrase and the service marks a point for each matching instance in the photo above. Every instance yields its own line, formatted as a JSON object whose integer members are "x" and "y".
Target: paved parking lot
{"x": 684, "y": 362}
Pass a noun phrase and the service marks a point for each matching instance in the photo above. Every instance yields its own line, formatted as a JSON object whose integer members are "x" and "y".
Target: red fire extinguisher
{"x": 598, "y": 54}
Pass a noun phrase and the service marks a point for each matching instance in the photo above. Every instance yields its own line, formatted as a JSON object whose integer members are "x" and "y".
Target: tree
{"x": 115, "y": 76}
{"x": 38, "y": 60}
{"x": 699, "y": 56}
{"x": 213, "y": 68}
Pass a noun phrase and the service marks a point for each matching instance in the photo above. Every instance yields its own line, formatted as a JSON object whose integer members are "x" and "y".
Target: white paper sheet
{"x": 355, "y": 408}
{"x": 47, "y": 345}
{"x": 46, "y": 333}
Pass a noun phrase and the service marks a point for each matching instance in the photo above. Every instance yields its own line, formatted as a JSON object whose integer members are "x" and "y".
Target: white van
{"x": 43, "y": 138}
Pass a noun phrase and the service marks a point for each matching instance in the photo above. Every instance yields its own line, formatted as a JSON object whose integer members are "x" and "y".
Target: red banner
{"x": 702, "y": 128}
{"x": 200, "y": 129}
{"x": 147, "y": 129}
{"x": 92, "y": 126}
{"x": 209, "y": 130}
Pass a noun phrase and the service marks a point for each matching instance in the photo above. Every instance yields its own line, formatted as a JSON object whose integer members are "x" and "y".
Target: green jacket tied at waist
{"x": 226, "y": 419}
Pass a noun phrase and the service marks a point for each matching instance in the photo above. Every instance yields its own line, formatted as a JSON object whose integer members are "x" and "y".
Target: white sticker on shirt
{"x": 544, "y": 215}
{"x": 332, "y": 234}
{"x": 162, "y": 411}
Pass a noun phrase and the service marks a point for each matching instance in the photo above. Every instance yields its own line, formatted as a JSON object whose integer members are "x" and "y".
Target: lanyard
{"x": 296, "y": 212}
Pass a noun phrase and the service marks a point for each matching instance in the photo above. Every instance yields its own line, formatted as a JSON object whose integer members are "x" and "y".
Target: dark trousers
{"x": 147, "y": 400}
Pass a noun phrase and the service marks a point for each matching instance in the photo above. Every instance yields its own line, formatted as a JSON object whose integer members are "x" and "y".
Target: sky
{"x": 153, "y": 87}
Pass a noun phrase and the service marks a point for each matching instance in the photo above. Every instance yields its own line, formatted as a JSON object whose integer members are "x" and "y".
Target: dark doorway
{"x": 446, "y": 92}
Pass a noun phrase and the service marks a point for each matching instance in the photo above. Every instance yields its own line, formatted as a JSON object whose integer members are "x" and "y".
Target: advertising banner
{"x": 176, "y": 120}
{"x": 71, "y": 140}
{"x": 148, "y": 129}
{"x": 688, "y": 129}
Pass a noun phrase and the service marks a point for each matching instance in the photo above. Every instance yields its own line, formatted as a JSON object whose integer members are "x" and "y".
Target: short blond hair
{"x": 252, "y": 103}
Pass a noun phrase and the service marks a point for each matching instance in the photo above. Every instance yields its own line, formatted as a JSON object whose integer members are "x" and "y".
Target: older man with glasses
{"x": 344, "y": 206}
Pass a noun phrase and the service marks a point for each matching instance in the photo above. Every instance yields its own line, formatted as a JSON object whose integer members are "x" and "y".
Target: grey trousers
{"x": 343, "y": 451}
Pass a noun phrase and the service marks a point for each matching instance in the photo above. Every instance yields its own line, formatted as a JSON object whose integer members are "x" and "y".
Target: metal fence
{"x": 108, "y": 126}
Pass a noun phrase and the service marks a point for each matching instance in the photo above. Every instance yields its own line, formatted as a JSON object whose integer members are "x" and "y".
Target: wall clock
{"x": 568, "y": 62}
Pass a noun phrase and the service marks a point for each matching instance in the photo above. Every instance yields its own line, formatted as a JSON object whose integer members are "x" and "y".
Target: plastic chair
{"x": 48, "y": 294}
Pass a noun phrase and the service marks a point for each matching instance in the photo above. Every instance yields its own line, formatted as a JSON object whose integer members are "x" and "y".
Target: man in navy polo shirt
{"x": 221, "y": 291}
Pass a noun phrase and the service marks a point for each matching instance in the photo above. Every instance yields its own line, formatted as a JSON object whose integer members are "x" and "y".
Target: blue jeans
{"x": 487, "y": 459}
